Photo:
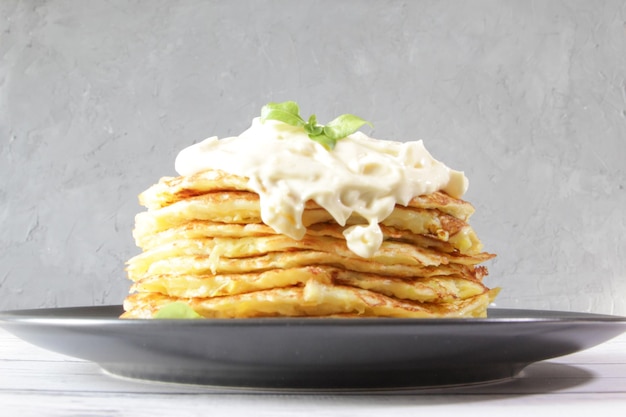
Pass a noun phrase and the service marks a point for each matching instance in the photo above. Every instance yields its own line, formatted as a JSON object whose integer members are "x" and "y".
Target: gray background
{"x": 528, "y": 98}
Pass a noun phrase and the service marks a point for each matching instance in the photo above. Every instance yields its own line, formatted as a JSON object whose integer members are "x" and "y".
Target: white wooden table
{"x": 36, "y": 382}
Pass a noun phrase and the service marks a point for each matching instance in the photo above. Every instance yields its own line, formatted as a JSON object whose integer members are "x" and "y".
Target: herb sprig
{"x": 327, "y": 135}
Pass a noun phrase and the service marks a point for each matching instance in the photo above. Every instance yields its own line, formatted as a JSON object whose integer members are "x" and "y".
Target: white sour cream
{"x": 360, "y": 176}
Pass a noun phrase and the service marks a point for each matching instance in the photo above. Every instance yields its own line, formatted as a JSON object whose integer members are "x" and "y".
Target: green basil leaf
{"x": 288, "y": 106}
{"x": 312, "y": 128}
{"x": 176, "y": 310}
{"x": 344, "y": 125}
{"x": 286, "y": 112}
{"x": 282, "y": 116}
{"x": 315, "y": 130}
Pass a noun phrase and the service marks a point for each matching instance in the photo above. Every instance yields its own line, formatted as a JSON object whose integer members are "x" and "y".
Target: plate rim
{"x": 511, "y": 315}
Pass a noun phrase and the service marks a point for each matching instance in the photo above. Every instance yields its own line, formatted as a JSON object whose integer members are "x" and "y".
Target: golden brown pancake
{"x": 314, "y": 299}
{"x": 221, "y": 265}
{"x": 172, "y": 189}
{"x": 432, "y": 289}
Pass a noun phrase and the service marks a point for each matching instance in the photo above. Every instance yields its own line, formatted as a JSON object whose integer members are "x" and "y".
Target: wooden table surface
{"x": 36, "y": 382}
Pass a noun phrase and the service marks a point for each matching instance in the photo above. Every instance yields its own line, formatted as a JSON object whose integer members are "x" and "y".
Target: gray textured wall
{"x": 528, "y": 98}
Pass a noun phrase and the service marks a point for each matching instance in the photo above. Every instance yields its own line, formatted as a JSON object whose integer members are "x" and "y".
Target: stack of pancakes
{"x": 204, "y": 244}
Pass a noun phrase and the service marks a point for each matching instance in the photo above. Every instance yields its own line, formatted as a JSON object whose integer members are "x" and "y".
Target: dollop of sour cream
{"x": 361, "y": 176}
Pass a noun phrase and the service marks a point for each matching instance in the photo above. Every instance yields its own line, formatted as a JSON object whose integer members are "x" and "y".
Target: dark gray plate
{"x": 313, "y": 353}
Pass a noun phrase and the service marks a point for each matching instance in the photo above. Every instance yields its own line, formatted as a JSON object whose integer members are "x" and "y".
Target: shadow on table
{"x": 536, "y": 379}
{"x": 540, "y": 378}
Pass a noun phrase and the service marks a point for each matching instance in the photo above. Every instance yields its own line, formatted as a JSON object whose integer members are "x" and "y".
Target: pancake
{"x": 169, "y": 190}
{"x": 314, "y": 299}
{"x": 433, "y": 289}
{"x": 221, "y": 265}
{"x": 203, "y": 229}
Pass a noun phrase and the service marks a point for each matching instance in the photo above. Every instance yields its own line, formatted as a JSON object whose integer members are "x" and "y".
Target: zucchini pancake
{"x": 292, "y": 218}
